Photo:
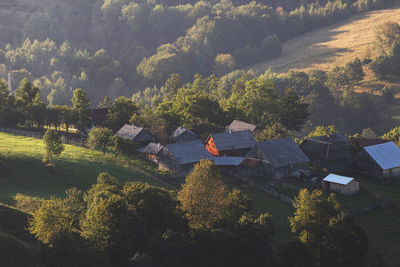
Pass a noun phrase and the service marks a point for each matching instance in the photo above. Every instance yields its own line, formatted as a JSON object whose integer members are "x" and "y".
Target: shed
{"x": 341, "y": 184}
{"x": 282, "y": 158}
{"x": 382, "y": 161}
{"x": 99, "y": 116}
{"x": 182, "y": 134}
{"x": 237, "y": 126}
{"x": 181, "y": 157}
{"x": 230, "y": 143}
{"x": 136, "y": 134}
{"x": 151, "y": 151}
{"x": 330, "y": 152}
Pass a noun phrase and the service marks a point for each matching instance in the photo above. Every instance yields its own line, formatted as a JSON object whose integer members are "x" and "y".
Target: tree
{"x": 80, "y": 102}
{"x": 54, "y": 145}
{"x": 393, "y": 135}
{"x": 203, "y": 195}
{"x": 26, "y": 92}
{"x": 323, "y": 130}
{"x": 293, "y": 111}
{"x": 99, "y": 137}
{"x": 120, "y": 112}
{"x": 4, "y": 93}
{"x": 272, "y": 131}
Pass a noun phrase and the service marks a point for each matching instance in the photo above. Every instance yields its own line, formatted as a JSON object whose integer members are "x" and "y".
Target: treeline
{"x": 203, "y": 224}
{"x": 117, "y": 47}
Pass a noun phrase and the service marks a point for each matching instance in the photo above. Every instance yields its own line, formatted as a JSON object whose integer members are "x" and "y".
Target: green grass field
{"x": 22, "y": 171}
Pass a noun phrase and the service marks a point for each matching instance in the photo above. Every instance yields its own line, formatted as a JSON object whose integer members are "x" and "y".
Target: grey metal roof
{"x": 237, "y": 125}
{"x": 327, "y": 147}
{"x": 387, "y": 155}
{"x": 188, "y": 152}
{"x": 338, "y": 179}
{"x": 231, "y": 140}
{"x": 151, "y": 148}
{"x": 180, "y": 130}
{"x": 282, "y": 152}
{"x": 228, "y": 161}
{"x": 132, "y": 132}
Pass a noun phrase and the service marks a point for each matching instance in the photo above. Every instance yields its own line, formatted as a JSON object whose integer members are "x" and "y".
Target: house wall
{"x": 186, "y": 136}
{"x": 350, "y": 189}
{"x": 393, "y": 173}
{"x": 211, "y": 147}
{"x": 296, "y": 170}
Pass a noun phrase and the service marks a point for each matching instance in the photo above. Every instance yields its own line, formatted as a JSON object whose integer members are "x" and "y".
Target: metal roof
{"x": 188, "y": 152}
{"x": 387, "y": 155}
{"x": 282, "y": 152}
{"x": 151, "y": 148}
{"x": 132, "y": 132}
{"x": 228, "y": 161}
{"x": 327, "y": 147}
{"x": 179, "y": 131}
{"x": 338, "y": 179}
{"x": 237, "y": 125}
{"x": 370, "y": 142}
{"x": 231, "y": 140}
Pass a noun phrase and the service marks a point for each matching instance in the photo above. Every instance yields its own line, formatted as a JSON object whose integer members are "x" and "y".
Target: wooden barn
{"x": 136, "y": 134}
{"x": 99, "y": 116}
{"x": 237, "y": 126}
{"x": 151, "y": 151}
{"x": 239, "y": 166}
{"x": 341, "y": 184}
{"x": 230, "y": 143}
{"x": 180, "y": 158}
{"x": 182, "y": 134}
{"x": 381, "y": 161}
{"x": 282, "y": 158}
{"x": 330, "y": 152}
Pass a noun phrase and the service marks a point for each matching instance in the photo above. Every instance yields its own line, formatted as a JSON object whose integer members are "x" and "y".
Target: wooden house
{"x": 341, "y": 184}
{"x": 180, "y": 158}
{"x": 381, "y": 161}
{"x": 99, "y": 116}
{"x": 182, "y": 134}
{"x": 282, "y": 158}
{"x": 237, "y": 126}
{"x": 330, "y": 152}
{"x": 239, "y": 166}
{"x": 230, "y": 143}
{"x": 136, "y": 134}
{"x": 151, "y": 151}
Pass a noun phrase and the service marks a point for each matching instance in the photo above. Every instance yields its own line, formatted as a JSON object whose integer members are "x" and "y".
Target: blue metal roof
{"x": 337, "y": 179}
{"x": 228, "y": 161}
{"x": 387, "y": 155}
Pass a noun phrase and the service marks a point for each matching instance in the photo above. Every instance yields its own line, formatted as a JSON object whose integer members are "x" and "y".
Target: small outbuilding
{"x": 230, "y": 143}
{"x": 180, "y": 158}
{"x": 282, "y": 158}
{"x": 182, "y": 134}
{"x": 151, "y": 151}
{"x": 382, "y": 161}
{"x": 237, "y": 126}
{"x": 341, "y": 184}
{"x": 136, "y": 134}
{"x": 331, "y": 152}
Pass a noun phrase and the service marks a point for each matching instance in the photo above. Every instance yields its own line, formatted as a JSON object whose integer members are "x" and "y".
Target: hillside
{"x": 330, "y": 46}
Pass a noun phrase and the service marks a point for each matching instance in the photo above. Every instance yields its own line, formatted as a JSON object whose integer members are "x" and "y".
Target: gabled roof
{"x": 151, "y": 148}
{"x": 387, "y": 155}
{"x": 132, "y": 131}
{"x": 188, "y": 152}
{"x": 228, "y": 161}
{"x": 331, "y": 139}
{"x": 327, "y": 147}
{"x": 338, "y": 179}
{"x": 231, "y": 140}
{"x": 237, "y": 125}
{"x": 179, "y": 131}
{"x": 282, "y": 152}
{"x": 370, "y": 142}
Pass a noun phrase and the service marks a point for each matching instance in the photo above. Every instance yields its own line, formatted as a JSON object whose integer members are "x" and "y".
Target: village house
{"x": 136, "y": 134}
{"x": 99, "y": 116}
{"x": 182, "y": 134}
{"x": 230, "y": 143}
{"x": 239, "y": 166}
{"x": 281, "y": 158}
{"x": 341, "y": 184}
{"x": 381, "y": 161}
{"x": 180, "y": 158}
{"x": 330, "y": 152}
{"x": 151, "y": 151}
{"x": 237, "y": 126}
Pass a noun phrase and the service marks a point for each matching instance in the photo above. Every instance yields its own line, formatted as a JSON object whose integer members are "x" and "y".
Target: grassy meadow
{"x": 22, "y": 171}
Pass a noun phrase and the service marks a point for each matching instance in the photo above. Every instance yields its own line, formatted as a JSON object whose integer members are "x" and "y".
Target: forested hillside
{"x": 118, "y": 47}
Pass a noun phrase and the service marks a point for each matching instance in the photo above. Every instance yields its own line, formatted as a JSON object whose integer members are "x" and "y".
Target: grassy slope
{"x": 22, "y": 170}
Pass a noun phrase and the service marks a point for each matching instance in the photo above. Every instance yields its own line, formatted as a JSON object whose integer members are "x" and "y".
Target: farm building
{"x": 230, "y": 143}
{"x": 330, "y": 152}
{"x": 182, "y": 134}
{"x": 136, "y": 134}
{"x": 341, "y": 184}
{"x": 237, "y": 126}
{"x": 382, "y": 161}
{"x": 361, "y": 142}
{"x": 181, "y": 157}
{"x": 151, "y": 151}
{"x": 99, "y": 116}
{"x": 282, "y": 158}
{"x": 239, "y": 166}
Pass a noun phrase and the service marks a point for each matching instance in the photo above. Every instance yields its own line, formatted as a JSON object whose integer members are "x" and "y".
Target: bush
{"x": 26, "y": 203}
